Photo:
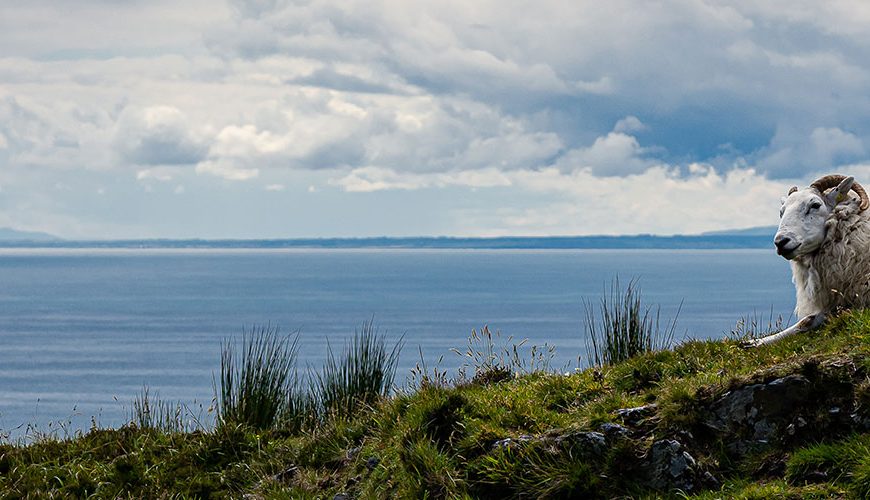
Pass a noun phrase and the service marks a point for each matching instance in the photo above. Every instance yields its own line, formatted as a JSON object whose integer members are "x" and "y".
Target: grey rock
{"x": 353, "y": 452}
{"x": 286, "y": 475}
{"x": 509, "y": 442}
{"x": 372, "y": 462}
{"x": 633, "y": 416}
{"x": 614, "y": 432}
{"x": 671, "y": 467}
{"x": 590, "y": 443}
{"x": 341, "y": 496}
{"x": 759, "y": 413}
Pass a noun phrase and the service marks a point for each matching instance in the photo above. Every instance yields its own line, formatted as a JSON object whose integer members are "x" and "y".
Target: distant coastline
{"x": 756, "y": 237}
{"x": 516, "y": 243}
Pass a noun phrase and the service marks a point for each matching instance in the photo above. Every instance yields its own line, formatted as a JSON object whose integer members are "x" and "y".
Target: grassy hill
{"x": 705, "y": 420}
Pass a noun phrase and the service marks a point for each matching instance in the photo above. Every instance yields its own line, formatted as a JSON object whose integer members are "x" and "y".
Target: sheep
{"x": 824, "y": 233}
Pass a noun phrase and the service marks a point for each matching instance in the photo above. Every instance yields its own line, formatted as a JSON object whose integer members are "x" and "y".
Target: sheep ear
{"x": 840, "y": 193}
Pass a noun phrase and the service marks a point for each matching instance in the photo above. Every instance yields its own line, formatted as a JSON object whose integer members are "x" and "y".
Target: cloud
{"x": 614, "y": 154}
{"x": 435, "y": 98}
{"x": 369, "y": 179}
{"x": 657, "y": 201}
{"x": 629, "y": 124}
{"x": 157, "y": 135}
{"x": 793, "y": 152}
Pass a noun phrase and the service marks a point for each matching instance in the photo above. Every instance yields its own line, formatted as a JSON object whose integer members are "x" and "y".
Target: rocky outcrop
{"x": 669, "y": 466}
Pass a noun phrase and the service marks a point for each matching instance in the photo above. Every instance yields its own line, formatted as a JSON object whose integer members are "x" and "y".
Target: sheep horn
{"x": 830, "y": 181}
{"x": 792, "y": 190}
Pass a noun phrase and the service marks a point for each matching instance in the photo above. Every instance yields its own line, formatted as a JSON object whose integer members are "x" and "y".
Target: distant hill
{"x": 713, "y": 241}
{"x": 8, "y": 234}
{"x": 754, "y": 237}
{"x": 750, "y": 231}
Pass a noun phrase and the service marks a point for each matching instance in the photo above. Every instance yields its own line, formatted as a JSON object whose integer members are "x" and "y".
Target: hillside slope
{"x": 705, "y": 420}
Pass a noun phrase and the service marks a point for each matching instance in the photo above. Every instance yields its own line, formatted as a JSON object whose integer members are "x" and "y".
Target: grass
{"x": 148, "y": 411}
{"x": 755, "y": 325}
{"x": 438, "y": 440}
{"x": 622, "y": 328}
{"x": 363, "y": 373}
{"x": 258, "y": 381}
{"x": 490, "y": 358}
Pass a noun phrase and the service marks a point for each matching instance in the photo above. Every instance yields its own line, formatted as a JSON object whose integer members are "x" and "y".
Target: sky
{"x": 283, "y": 119}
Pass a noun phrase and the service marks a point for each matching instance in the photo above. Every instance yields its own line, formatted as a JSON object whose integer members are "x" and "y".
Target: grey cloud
{"x": 795, "y": 152}
{"x": 157, "y": 136}
{"x": 699, "y": 75}
{"x": 331, "y": 79}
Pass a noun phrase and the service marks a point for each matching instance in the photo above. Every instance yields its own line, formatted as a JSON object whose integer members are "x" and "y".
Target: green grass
{"x": 622, "y": 328}
{"x": 360, "y": 376}
{"x": 437, "y": 440}
{"x": 258, "y": 382}
{"x": 148, "y": 411}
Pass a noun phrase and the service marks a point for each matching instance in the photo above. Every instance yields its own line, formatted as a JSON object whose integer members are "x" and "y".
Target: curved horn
{"x": 830, "y": 181}
{"x": 792, "y": 190}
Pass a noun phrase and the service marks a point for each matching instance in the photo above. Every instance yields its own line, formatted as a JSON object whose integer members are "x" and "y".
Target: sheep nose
{"x": 781, "y": 242}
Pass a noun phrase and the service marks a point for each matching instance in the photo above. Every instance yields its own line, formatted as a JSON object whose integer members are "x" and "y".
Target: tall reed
{"x": 623, "y": 327}
{"x": 258, "y": 381}
{"x": 363, "y": 373}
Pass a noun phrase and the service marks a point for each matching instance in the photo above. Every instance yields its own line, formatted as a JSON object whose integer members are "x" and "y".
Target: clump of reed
{"x": 259, "y": 383}
{"x": 622, "y": 327}
{"x": 363, "y": 373}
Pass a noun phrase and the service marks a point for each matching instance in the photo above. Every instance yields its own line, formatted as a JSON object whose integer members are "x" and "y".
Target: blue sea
{"x": 82, "y": 330}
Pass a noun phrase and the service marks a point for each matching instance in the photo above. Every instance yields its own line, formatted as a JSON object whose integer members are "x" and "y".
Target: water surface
{"x": 83, "y": 330}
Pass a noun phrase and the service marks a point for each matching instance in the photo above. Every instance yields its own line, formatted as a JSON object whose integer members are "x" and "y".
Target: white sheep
{"x": 825, "y": 233}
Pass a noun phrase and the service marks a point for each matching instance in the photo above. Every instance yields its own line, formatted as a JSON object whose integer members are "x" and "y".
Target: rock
{"x": 634, "y": 416}
{"x": 509, "y": 442}
{"x": 372, "y": 462}
{"x": 589, "y": 443}
{"x": 341, "y": 496}
{"x": 759, "y": 413}
{"x": 352, "y": 453}
{"x": 286, "y": 475}
{"x": 614, "y": 432}
{"x": 670, "y": 467}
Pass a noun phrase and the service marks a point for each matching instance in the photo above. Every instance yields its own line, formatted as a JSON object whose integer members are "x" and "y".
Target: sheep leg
{"x": 808, "y": 323}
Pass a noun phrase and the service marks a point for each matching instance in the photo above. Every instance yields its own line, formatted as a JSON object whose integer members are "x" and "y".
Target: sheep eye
{"x": 815, "y": 205}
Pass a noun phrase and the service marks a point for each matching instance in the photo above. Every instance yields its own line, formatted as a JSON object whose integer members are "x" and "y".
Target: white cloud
{"x": 227, "y": 170}
{"x": 157, "y": 135}
{"x": 368, "y": 179}
{"x": 657, "y": 201}
{"x": 629, "y": 124}
{"x": 614, "y": 154}
{"x": 511, "y": 98}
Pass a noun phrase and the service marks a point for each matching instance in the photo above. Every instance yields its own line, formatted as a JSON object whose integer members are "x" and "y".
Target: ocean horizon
{"x": 84, "y": 330}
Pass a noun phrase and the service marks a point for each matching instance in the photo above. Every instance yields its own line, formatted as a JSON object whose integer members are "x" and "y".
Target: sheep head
{"x": 805, "y": 212}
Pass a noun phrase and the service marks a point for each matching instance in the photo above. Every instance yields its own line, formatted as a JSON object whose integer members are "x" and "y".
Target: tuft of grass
{"x": 755, "y": 325}
{"x": 258, "y": 381}
{"x": 489, "y": 359}
{"x": 421, "y": 377}
{"x": 150, "y": 412}
{"x": 623, "y": 328}
{"x": 363, "y": 373}
{"x": 832, "y": 461}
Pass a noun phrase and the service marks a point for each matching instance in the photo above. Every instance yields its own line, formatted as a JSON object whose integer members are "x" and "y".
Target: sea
{"x": 83, "y": 331}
